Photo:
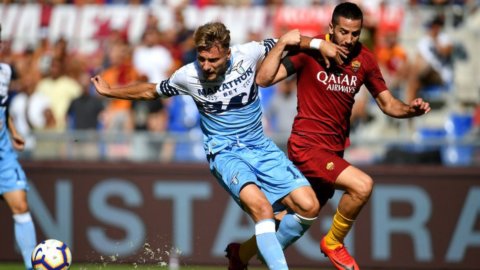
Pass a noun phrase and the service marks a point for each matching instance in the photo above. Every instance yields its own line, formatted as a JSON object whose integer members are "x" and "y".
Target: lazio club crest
{"x": 238, "y": 68}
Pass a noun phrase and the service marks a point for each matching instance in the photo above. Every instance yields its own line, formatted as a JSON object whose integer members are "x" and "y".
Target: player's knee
{"x": 19, "y": 208}
{"x": 261, "y": 210}
{"x": 363, "y": 188}
{"x": 309, "y": 207}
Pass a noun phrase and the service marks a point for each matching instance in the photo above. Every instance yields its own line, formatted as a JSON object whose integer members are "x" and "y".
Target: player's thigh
{"x": 232, "y": 173}
{"x": 13, "y": 186}
{"x": 303, "y": 202}
{"x": 276, "y": 173}
{"x": 354, "y": 180}
{"x": 321, "y": 167}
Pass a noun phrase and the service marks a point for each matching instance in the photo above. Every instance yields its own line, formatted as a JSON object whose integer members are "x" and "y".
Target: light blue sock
{"x": 268, "y": 245}
{"x": 25, "y": 236}
{"x": 291, "y": 227}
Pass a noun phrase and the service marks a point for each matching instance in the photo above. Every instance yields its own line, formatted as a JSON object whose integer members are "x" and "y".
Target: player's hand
{"x": 18, "y": 142}
{"x": 331, "y": 51}
{"x": 292, "y": 37}
{"x": 419, "y": 106}
{"x": 100, "y": 84}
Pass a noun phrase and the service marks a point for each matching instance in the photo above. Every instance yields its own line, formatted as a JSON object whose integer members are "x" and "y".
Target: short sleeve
{"x": 374, "y": 80}
{"x": 172, "y": 86}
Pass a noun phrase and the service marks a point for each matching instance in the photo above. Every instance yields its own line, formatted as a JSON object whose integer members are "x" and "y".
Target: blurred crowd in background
{"x": 56, "y": 108}
{"x": 201, "y": 3}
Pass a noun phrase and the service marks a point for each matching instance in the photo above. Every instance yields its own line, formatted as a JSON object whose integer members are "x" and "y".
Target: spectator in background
{"x": 476, "y": 120}
{"x": 184, "y": 37}
{"x": 6, "y": 54}
{"x": 107, "y": 42}
{"x": 120, "y": 72}
{"x": 152, "y": 59}
{"x": 84, "y": 111}
{"x": 84, "y": 115}
{"x": 433, "y": 65}
{"x": 393, "y": 60}
{"x": 118, "y": 116}
{"x": 184, "y": 121}
{"x": 282, "y": 109}
{"x": 150, "y": 117}
{"x": 61, "y": 90}
{"x": 30, "y": 111}
{"x": 44, "y": 54}
{"x": 156, "y": 62}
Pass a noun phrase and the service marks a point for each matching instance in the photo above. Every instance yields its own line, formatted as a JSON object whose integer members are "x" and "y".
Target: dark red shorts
{"x": 320, "y": 166}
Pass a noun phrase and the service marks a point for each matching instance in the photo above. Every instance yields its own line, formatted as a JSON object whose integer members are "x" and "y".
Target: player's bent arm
{"x": 139, "y": 91}
{"x": 290, "y": 40}
{"x": 269, "y": 67}
{"x": 396, "y": 108}
{"x": 18, "y": 142}
{"x": 280, "y": 75}
{"x": 271, "y": 71}
{"x": 11, "y": 127}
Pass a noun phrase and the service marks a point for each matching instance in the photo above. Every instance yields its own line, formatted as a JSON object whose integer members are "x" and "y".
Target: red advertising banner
{"x": 86, "y": 28}
{"x": 417, "y": 217}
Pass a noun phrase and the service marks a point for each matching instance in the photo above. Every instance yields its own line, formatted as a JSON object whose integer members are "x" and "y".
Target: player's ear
{"x": 330, "y": 28}
{"x": 229, "y": 52}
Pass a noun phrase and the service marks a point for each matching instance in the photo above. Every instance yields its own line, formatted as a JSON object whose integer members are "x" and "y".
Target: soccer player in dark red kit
{"x": 321, "y": 128}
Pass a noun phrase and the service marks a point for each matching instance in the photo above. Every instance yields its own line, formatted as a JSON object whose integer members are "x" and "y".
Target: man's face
{"x": 346, "y": 33}
{"x": 213, "y": 62}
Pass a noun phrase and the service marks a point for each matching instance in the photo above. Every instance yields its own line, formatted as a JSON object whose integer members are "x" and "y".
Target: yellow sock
{"x": 339, "y": 230}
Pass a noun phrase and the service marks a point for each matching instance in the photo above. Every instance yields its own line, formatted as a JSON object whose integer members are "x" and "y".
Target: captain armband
{"x": 316, "y": 43}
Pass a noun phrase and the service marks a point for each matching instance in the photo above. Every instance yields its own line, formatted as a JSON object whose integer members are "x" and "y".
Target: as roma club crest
{"x": 356, "y": 65}
{"x": 330, "y": 166}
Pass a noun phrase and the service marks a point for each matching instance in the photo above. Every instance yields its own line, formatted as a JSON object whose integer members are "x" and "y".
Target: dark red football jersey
{"x": 326, "y": 96}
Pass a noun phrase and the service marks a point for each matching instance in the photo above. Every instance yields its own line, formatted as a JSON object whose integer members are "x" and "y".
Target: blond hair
{"x": 210, "y": 35}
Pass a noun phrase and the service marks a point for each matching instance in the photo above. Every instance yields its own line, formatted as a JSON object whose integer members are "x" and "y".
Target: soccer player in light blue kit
{"x": 13, "y": 182}
{"x": 255, "y": 172}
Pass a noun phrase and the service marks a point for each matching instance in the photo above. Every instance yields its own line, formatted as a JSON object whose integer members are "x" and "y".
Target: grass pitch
{"x": 99, "y": 266}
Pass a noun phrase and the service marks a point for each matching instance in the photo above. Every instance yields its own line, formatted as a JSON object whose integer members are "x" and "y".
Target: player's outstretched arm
{"x": 142, "y": 91}
{"x": 394, "y": 107}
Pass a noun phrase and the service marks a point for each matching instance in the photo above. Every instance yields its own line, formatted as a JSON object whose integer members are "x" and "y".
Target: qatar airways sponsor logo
{"x": 339, "y": 83}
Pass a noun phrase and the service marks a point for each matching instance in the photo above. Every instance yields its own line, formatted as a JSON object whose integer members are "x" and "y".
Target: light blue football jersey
{"x": 230, "y": 109}
{"x": 12, "y": 176}
{"x": 7, "y": 154}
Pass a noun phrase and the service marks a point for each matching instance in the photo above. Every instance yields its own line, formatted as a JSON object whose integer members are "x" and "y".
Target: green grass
{"x": 18, "y": 266}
